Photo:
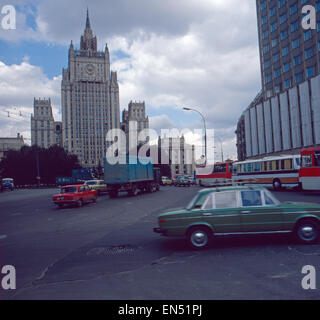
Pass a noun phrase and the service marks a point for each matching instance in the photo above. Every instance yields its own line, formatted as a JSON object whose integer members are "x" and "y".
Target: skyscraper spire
{"x": 88, "y": 40}
{"x": 88, "y": 20}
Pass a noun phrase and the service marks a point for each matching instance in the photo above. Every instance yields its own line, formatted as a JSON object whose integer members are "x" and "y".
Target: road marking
{"x": 3, "y": 236}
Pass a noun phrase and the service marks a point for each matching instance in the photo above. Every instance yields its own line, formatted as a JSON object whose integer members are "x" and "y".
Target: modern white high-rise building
{"x": 90, "y": 100}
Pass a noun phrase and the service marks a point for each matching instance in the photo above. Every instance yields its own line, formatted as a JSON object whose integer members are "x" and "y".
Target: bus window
{"x": 306, "y": 161}
{"x": 249, "y": 167}
{"x": 277, "y": 165}
{"x": 230, "y": 167}
{"x": 282, "y": 165}
{"x": 273, "y": 165}
{"x": 287, "y": 164}
{"x": 317, "y": 159}
{"x": 257, "y": 167}
{"x": 265, "y": 166}
{"x": 269, "y": 165}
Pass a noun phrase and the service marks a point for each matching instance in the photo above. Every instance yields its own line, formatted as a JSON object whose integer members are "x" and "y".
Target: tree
{"x": 53, "y": 162}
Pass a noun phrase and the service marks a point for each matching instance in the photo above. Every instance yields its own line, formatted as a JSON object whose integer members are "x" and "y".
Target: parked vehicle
{"x": 165, "y": 181}
{"x": 7, "y": 184}
{"x": 74, "y": 195}
{"x": 183, "y": 181}
{"x": 98, "y": 185}
{"x": 192, "y": 180}
{"x": 309, "y": 174}
{"x": 276, "y": 172}
{"x": 217, "y": 175}
{"x": 238, "y": 211}
{"x": 79, "y": 176}
{"x": 131, "y": 174}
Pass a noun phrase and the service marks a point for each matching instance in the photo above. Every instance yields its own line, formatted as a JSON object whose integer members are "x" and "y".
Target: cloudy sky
{"x": 170, "y": 54}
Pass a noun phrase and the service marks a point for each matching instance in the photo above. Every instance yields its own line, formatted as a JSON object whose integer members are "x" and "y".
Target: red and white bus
{"x": 309, "y": 174}
{"x": 220, "y": 174}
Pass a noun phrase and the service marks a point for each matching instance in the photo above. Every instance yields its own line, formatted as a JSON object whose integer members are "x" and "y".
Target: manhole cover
{"x": 112, "y": 250}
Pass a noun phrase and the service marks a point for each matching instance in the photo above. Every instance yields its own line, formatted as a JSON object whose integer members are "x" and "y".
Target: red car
{"x": 75, "y": 195}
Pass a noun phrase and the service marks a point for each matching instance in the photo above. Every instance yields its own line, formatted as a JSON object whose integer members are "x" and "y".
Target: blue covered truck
{"x": 131, "y": 174}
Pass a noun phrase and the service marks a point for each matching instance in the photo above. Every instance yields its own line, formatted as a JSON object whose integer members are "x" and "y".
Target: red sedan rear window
{"x": 69, "y": 190}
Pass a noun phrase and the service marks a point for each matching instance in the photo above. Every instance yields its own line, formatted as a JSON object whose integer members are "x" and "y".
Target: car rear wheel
{"x": 134, "y": 191}
{"x": 113, "y": 193}
{"x": 79, "y": 203}
{"x": 307, "y": 231}
{"x": 199, "y": 238}
{"x": 277, "y": 184}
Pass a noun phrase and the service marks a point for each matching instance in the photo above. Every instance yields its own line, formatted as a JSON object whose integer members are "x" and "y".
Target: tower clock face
{"x": 90, "y": 69}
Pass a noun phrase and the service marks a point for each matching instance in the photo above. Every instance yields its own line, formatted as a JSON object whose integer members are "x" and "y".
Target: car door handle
{"x": 206, "y": 214}
{"x": 246, "y": 212}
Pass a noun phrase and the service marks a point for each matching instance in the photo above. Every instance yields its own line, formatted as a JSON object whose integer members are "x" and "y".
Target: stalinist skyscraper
{"x": 90, "y": 100}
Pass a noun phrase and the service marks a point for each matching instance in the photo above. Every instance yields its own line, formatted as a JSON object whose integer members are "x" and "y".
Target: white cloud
{"x": 19, "y": 85}
{"x": 201, "y": 54}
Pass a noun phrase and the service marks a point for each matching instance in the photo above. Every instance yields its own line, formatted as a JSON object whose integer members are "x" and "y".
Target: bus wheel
{"x": 277, "y": 184}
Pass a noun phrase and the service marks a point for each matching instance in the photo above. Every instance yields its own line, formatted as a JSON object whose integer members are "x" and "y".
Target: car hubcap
{"x": 199, "y": 238}
{"x": 307, "y": 232}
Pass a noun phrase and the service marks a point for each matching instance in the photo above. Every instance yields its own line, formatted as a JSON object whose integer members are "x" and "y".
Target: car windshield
{"x": 270, "y": 199}
{"x": 91, "y": 183}
{"x": 197, "y": 201}
{"x": 7, "y": 180}
{"x": 191, "y": 203}
{"x": 69, "y": 190}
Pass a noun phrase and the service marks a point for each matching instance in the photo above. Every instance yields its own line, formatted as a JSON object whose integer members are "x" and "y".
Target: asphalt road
{"x": 107, "y": 250}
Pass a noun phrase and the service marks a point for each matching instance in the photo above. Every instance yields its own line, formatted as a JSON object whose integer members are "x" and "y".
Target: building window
{"x": 285, "y": 51}
{"x": 267, "y": 64}
{"x": 309, "y": 52}
{"x": 283, "y": 18}
{"x": 265, "y": 34}
{"x": 287, "y": 83}
{"x": 293, "y": 9}
{"x": 281, "y": 3}
{"x": 310, "y": 71}
{"x": 284, "y": 34}
{"x": 295, "y": 43}
{"x": 299, "y": 77}
{"x": 277, "y": 73}
{"x": 307, "y": 35}
{"x": 274, "y": 42}
{"x": 294, "y": 26}
{"x": 268, "y": 78}
{"x": 297, "y": 60}
{"x": 276, "y": 57}
{"x": 286, "y": 67}
{"x": 274, "y": 27}
{"x": 264, "y": 20}
{"x": 272, "y": 11}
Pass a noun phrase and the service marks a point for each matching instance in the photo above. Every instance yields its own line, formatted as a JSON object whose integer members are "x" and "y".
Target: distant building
{"x": 7, "y": 144}
{"x": 90, "y": 100}
{"x": 178, "y": 154}
{"x": 45, "y": 132}
{"x": 136, "y": 113}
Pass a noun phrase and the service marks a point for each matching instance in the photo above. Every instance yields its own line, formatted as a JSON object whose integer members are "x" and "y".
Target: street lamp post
{"x": 205, "y": 130}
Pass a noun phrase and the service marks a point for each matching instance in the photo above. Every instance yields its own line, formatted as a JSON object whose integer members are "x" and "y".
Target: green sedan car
{"x": 239, "y": 210}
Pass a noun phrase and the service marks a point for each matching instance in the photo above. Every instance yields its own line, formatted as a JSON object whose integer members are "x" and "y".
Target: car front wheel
{"x": 199, "y": 238}
{"x": 307, "y": 232}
